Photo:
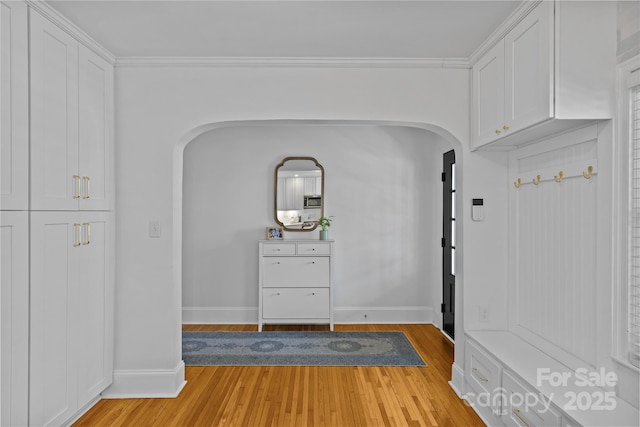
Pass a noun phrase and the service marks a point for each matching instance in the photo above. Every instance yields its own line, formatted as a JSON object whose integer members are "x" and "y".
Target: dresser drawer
{"x": 524, "y": 407}
{"x": 483, "y": 374}
{"x": 294, "y": 303}
{"x": 295, "y": 272}
{"x": 275, "y": 249}
{"x": 314, "y": 249}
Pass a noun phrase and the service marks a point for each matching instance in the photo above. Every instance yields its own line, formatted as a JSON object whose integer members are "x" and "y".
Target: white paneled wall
{"x": 553, "y": 290}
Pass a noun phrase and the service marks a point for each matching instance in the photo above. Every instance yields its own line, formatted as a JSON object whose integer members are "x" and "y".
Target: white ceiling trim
{"x": 316, "y": 62}
{"x": 72, "y": 29}
{"x": 516, "y": 16}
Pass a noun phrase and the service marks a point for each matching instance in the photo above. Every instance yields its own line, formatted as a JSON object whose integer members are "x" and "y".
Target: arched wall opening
{"x": 405, "y": 247}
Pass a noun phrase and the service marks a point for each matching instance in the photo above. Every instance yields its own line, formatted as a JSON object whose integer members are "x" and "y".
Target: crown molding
{"x": 516, "y": 16}
{"x": 311, "y": 62}
{"x": 54, "y": 16}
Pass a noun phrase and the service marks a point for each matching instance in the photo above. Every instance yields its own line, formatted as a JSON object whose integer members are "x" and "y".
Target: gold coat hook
{"x": 588, "y": 173}
{"x": 559, "y": 177}
{"x": 517, "y": 183}
{"x": 536, "y": 180}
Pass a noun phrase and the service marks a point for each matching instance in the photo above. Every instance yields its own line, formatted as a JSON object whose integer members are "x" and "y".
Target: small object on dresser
{"x": 324, "y": 222}
{"x": 274, "y": 233}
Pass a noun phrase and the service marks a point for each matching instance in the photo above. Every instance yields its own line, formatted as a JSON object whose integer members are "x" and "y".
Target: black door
{"x": 448, "y": 243}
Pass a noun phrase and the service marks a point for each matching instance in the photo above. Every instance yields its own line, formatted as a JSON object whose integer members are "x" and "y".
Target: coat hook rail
{"x": 559, "y": 177}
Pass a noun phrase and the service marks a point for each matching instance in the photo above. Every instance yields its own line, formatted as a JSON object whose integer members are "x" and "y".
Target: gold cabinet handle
{"x": 78, "y": 228}
{"x": 87, "y": 233}
{"x": 87, "y": 187}
{"x": 480, "y": 377}
{"x": 498, "y": 131}
{"x": 516, "y": 411}
{"x": 76, "y": 190}
{"x": 505, "y": 127}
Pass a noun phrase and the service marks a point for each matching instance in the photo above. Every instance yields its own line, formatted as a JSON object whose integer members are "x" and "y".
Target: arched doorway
{"x": 178, "y": 176}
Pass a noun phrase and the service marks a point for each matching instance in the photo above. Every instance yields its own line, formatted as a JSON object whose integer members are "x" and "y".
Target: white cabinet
{"x": 14, "y": 107}
{"x": 511, "y": 82}
{"x": 290, "y": 194}
{"x": 295, "y": 282}
{"x": 484, "y": 378}
{"x": 508, "y": 381}
{"x": 56, "y": 299}
{"x": 313, "y": 186}
{"x": 71, "y": 116}
{"x": 540, "y": 79}
{"x": 71, "y": 313}
{"x": 14, "y": 318}
{"x": 488, "y": 95}
{"x": 520, "y": 410}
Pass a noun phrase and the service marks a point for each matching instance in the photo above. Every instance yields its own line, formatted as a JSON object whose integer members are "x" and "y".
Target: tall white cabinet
{"x": 14, "y": 317}
{"x": 71, "y": 299}
{"x": 57, "y": 228}
{"x": 14, "y": 107}
{"x": 71, "y": 108}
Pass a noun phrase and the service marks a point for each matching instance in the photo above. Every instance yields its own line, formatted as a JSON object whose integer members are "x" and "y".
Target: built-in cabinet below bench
{"x": 510, "y": 382}
{"x": 295, "y": 282}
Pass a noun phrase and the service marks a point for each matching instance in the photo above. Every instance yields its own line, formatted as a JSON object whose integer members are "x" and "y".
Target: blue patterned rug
{"x": 298, "y": 349}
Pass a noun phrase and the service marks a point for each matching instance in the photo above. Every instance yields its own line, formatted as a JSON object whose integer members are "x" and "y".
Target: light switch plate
{"x": 155, "y": 230}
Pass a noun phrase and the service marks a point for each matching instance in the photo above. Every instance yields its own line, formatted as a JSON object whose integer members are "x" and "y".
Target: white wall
{"x": 383, "y": 186}
{"x": 157, "y": 111}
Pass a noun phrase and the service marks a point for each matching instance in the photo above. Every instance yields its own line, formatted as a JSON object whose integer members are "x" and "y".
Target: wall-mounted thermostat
{"x": 477, "y": 210}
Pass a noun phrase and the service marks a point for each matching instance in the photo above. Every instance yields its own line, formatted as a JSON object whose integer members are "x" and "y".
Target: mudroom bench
{"x": 510, "y": 382}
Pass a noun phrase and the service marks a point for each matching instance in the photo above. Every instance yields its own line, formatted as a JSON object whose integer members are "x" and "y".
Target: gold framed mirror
{"x": 299, "y": 193}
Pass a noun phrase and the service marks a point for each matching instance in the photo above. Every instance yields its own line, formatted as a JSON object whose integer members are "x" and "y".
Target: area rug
{"x": 298, "y": 349}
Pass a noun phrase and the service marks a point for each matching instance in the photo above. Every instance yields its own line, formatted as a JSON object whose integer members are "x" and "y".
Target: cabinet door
{"x": 14, "y": 320}
{"x": 529, "y": 70}
{"x": 95, "y": 136}
{"x": 95, "y": 309}
{"x": 487, "y": 119}
{"x": 293, "y": 194}
{"x": 54, "y": 116}
{"x": 53, "y": 379}
{"x": 14, "y": 107}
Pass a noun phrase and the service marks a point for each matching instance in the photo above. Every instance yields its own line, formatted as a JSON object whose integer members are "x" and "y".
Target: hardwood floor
{"x": 252, "y": 396}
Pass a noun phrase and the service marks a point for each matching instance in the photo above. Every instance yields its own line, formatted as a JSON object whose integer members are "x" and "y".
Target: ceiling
{"x": 288, "y": 29}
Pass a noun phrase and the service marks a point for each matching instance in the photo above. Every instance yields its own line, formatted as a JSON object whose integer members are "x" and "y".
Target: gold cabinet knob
{"x": 505, "y": 127}
{"x": 498, "y": 131}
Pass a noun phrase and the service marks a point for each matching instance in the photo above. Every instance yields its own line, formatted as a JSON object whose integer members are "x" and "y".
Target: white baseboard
{"x": 220, "y": 315}
{"x": 457, "y": 380}
{"x": 383, "y": 315}
{"x": 249, "y": 315}
{"x": 146, "y": 383}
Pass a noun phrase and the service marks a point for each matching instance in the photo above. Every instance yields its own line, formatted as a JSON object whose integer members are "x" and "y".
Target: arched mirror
{"x": 299, "y": 193}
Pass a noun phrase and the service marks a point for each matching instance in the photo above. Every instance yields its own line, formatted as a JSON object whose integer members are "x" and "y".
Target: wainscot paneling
{"x": 553, "y": 260}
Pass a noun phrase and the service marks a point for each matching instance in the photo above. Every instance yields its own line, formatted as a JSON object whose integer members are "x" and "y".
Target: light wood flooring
{"x": 298, "y": 396}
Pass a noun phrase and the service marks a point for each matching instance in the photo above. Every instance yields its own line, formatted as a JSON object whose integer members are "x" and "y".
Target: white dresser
{"x": 295, "y": 282}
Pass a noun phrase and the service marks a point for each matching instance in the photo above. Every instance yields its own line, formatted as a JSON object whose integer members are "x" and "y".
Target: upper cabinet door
{"x": 529, "y": 70}
{"x": 55, "y": 181}
{"x": 488, "y": 96}
{"x": 95, "y": 135}
{"x": 14, "y": 107}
